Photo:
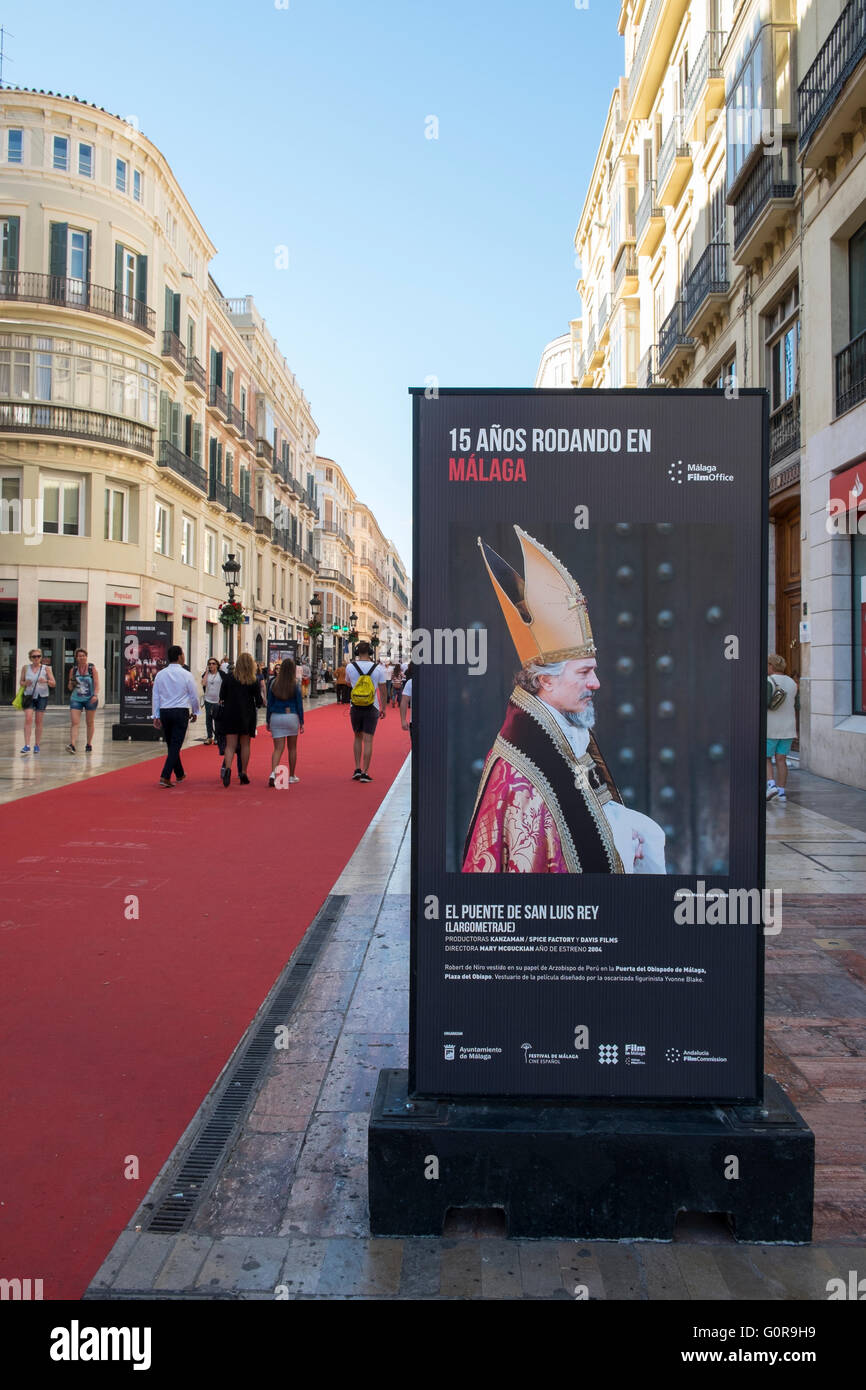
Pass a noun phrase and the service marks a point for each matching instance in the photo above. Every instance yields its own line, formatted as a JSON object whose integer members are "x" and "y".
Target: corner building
{"x": 148, "y": 425}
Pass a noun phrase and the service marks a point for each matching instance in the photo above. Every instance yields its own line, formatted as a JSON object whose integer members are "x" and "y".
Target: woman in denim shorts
{"x": 37, "y": 681}
{"x": 84, "y": 688}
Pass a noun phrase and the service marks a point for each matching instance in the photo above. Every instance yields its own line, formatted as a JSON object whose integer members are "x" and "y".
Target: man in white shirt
{"x": 365, "y": 717}
{"x": 781, "y": 725}
{"x": 174, "y": 693}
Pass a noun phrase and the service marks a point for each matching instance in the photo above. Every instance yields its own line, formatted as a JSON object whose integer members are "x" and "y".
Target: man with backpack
{"x": 367, "y": 706}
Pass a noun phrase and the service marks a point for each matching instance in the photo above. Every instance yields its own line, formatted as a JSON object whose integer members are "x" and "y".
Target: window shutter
{"x": 175, "y": 424}
{"x": 219, "y": 369}
{"x": 169, "y": 309}
{"x": 12, "y": 238}
{"x": 164, "y": 415}
{"x": 212, "y": 458}
{"x": 175, "y": 321}
{"x": 88, "y": 241}
{"x": 187, "y": 435}
{"x": 57, "y": 261}
{"x": 196, "y": 443}
{"x": 219, "y": 460}
{"x": 118, "y": 268}
{"x": 230, "y": 470}
{"x": 141, "y": 279}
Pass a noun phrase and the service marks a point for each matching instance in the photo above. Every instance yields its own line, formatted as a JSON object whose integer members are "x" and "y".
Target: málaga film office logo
{"x": 679, "y": 472}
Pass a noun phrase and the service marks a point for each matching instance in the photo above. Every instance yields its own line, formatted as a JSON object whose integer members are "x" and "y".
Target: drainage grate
{"x": 184, "y": 1188}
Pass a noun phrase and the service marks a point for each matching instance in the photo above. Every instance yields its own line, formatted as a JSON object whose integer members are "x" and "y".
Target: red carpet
{"x": 113, "y": 1029}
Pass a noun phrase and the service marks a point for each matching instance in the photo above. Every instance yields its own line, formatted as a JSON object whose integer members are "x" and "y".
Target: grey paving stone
{"x": 354, "y": 1072}
{"x": 421, "y": 1267}
{"x": 310, "y": 1037}
{"x": 188, "y": 1254}
{"x": 223, "y": 1267}
{"x": 328, "y": 1204}
{"x": 460, "y": 1274}
{"x": 741, "y": 1276}
{"x": 253, "y": 1187}
{"x": 143, "y": 1262}
{"x": 302, "y": 1266}
{"x": 664, "y": 1279}
{"x": 700, "y": 1273}
{"x": 580, "y": 1267}
{"x": 620, "y": 1269}
{"x": 540, "y": 1268}
{"x": 335, "y": 1141}
{"x": 383, "y": 1010}
{"x": 113, "y": 1262}
{"x": 262, "y": 1261}
{"x": 500, "y": 1269}
{"x": 342, "y": 955}
{"x": 328, "y": 990}
{"x": 800, "y": 1273}
{"x": 359, "y": 1268}
{"x": 287, "y": 1098}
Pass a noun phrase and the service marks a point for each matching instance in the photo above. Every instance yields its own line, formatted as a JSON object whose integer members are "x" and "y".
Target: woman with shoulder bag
{"x": 240, "y": 698}
{"x": 84, "y": 688}
{"x": 285, "y": 718}
{"x": 36, "y": 681}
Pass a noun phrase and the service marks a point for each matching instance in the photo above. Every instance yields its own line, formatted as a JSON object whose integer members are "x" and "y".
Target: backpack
{"x": 363, "y": 691}
{"x": 775, "y": 694}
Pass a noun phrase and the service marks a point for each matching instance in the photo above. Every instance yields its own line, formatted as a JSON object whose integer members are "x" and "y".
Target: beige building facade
{"x": 721, "y": 224}
{"x": 148, "y": 425}
{"x": 336, "y": 583}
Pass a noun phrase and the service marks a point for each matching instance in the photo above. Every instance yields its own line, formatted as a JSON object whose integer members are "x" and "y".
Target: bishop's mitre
{"x": 545, "y": 611}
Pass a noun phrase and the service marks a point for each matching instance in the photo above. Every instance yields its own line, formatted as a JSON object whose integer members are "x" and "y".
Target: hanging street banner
{"x": 144, "y": 647}
{"x": 589, "y": 711}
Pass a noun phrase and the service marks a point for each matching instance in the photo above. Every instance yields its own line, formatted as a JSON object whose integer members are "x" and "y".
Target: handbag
{"x": 27, "y": 700}
{"x": 18, "y": 702}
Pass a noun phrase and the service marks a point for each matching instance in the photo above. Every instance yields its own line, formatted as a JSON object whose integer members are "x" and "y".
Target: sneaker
{"x": 88, "y": 748}
{"x": 226, "y": 775}
{"x": 70, "y": 747}
{"x": 36, "y": 748}
{"x": 164, "y": 783}
{"x": 272, "y": 780}
{"x": 182, "y": 778}
{"x": 365, "y": 777}
{"x": 771, "y": 792}
{"x": 782, "y": 796}
{"x": 294, "y": 779}
{"x": 356, "y": 775}
{"x": 26, "y": 748}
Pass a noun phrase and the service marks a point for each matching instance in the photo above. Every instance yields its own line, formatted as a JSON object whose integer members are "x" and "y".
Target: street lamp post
{"x": 314, "y": 631}
{"x": 231, "y": 575}
{"x": 374, "y": 641}
{"x": 353, "y": 630}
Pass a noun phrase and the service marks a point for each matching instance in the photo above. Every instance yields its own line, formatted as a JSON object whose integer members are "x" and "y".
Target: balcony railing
{"x": 172, "y": 457}
{"x": 241, "y": 509}
{"x": 710, "y": 276}
{"x": 647, "y": 371}
{"x": 581, "y": 368}
{"x": 218, "y": 492}
{"x": 250, "y": 432}
{"x": 334, "y": 530}
{"x": 674, "y": 146}
{"x": 264, "y": 526}
{"x": 195, "y": 374}
{"x": 309, "y": 559}
{"x": 172, "y": 347}
{"x": 839, "y": 56}
{"x": 626, "y": 268}
{"x": 281, "y": 538}
{"x": 590, "y": 345}
{"x": 603, "y": 314}
{"x": 766, "y": 181}
{"x": 851, "y": 374}
{"x": 333, "y": 576}
{"x": 264, "y": 450}
{"x": 707, "y": 66}
{"x": 643, "y": 44}
{"x": 36, "y": 288}
{"x": 672, "y": 334}
{"x": 785, "y": 429}
{"x": 218, "y": 399}
{"x": 19, "y": 418}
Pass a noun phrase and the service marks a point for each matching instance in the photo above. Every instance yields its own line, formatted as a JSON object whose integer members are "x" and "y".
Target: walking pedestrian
{"x": 306, "y": 677}
{"x": 84, "y": 695}
{"x": 406, "y": 702}
{"x": 211, "y": 680}
{"x": 240, "y": 698}
{"x": 388, "y": 668}
{"x": 366, "y": 678}
{"x": 36, "y": 681}
{"x": 396, "y": 686}
{"x": 174, "y": 695}
{"x": 342, "y": 684}
{"x": 285, "y": 718}
{"x": 781, "y": 725}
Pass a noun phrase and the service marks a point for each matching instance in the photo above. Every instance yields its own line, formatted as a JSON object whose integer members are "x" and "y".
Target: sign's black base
{"x": 589, "y": 1170}
{"x": 139, "y": 733}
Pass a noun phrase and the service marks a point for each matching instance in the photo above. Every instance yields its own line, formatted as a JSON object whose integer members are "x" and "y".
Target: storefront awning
{"x": 847, "y": 489}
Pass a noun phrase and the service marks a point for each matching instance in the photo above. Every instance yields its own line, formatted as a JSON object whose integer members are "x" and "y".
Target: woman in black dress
{"x": 240, "y": 698}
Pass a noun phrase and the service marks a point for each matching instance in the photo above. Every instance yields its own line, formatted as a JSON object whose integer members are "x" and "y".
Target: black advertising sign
{"x": 144, "y": 653}
{"x": 588, "y": 907}
{"x": 280, "y": 650}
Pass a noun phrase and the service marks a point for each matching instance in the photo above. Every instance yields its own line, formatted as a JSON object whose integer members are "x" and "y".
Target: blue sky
{"x": 305, "y": 127}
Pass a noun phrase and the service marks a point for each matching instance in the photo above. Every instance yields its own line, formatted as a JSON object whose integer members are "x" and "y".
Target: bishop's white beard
{"x": 582, "y": 719}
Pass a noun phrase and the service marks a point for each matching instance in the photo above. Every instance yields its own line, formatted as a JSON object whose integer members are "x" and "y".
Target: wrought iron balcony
{"x": 332, "y": 576}
{"x": 172, "y": 457}
{"x": 250, "y": 432}
{"x": 173, "y": 348}
{"x": 708, "y": 279}
{"x": 647, "y": 372}
{"x": 264, "y": 449}
{"x": 35, "y": 288}
{"x": 771, "y": 181}
{"x": 217, "y": 400}
{"x": 242, "y": 509}
{"x": 785, "y": 429}
{"x": 234, "y": 419}
{"x": 281, "y": 538}
{"x": 18, "y": 417}
{"x": 644, "y": 44}
{"x": 672, "y": 335}
{"x": 264, "y": 526}
{"x": 195, "y": 375}
{"x": 650, "y": 220}
{"x": 707, "y": 70}
{"x": 309, "y": 559}
{"x": 281, "y": 468}
{"x": 675, "y": 158}
{"x": 218, "y": 492}
{"x": 603, "y": 316}
{"x": 835, "y": 64}
{"x": 851, "y": 374}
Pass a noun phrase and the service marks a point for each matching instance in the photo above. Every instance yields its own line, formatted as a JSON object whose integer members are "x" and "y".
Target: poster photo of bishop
{"x": 602, "y": 705}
